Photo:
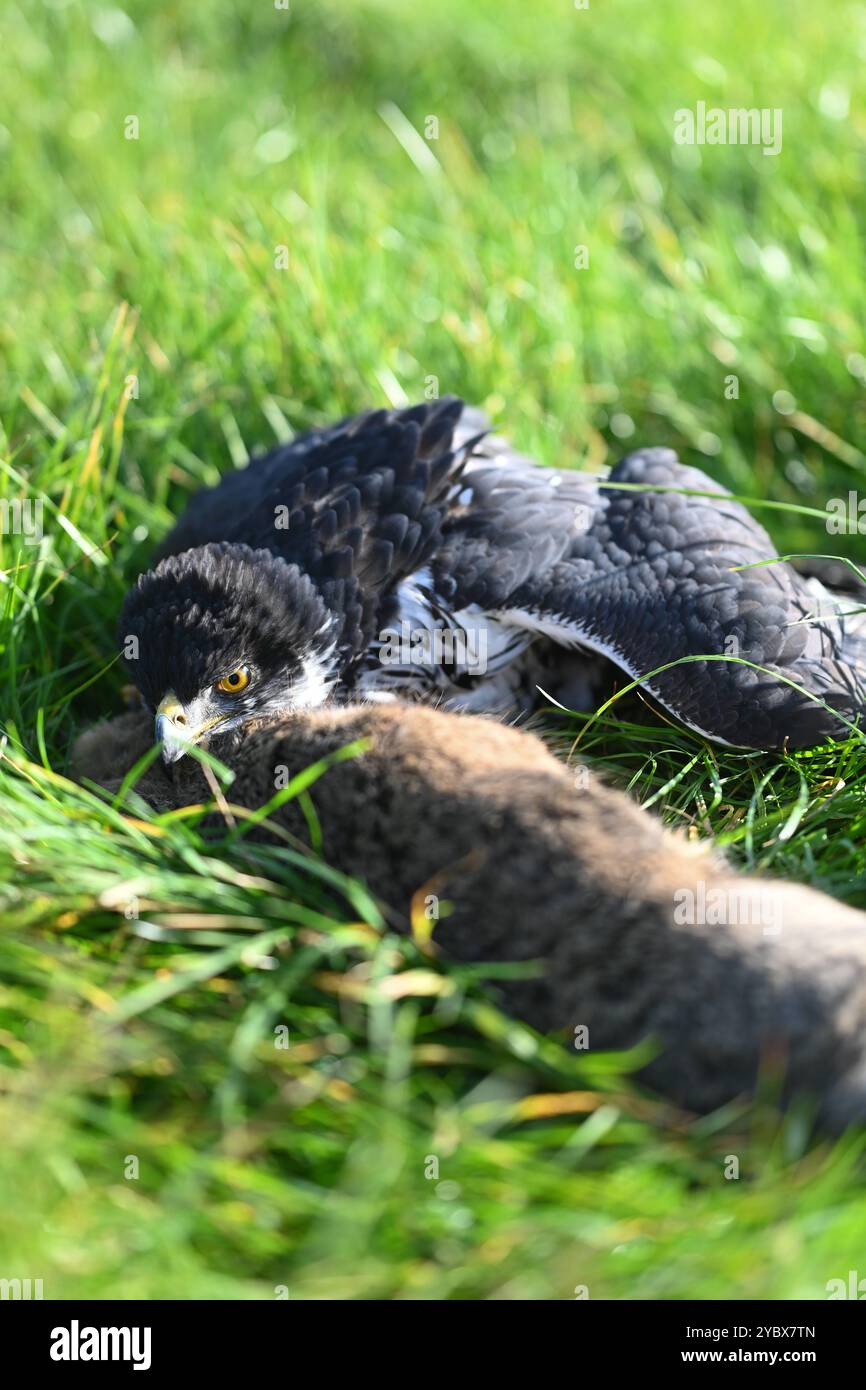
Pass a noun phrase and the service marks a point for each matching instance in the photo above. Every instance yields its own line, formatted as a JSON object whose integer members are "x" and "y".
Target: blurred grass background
{"x": 281, "y": 244}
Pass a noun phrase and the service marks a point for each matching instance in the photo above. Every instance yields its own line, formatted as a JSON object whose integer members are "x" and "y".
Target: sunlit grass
{"x": 150, "y": 341}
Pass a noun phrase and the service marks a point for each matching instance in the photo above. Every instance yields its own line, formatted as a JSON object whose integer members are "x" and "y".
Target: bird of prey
{"x": 410, "y": 554}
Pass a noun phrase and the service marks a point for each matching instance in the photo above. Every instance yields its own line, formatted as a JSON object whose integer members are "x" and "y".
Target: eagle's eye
{"x": 234, "y": 683}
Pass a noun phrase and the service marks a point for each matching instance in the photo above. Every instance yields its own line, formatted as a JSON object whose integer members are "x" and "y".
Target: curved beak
{"x": 172, "y": 728}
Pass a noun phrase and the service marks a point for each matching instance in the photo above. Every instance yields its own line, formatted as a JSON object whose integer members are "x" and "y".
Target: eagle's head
{"x": 221, "y": 635}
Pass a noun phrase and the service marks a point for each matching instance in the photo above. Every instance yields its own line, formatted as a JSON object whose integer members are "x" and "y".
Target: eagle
{"x": 412, "y": 554}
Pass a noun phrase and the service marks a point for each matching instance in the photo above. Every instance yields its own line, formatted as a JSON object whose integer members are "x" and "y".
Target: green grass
{"x": 146, "y": 269}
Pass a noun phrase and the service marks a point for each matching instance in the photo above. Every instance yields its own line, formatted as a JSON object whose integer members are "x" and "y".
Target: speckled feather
{"x": 642, "y": 578}
{"x": 360, "y": 507}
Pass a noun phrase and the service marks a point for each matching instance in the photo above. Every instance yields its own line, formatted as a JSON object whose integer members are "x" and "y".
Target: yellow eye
{"x": 236, "y": 682}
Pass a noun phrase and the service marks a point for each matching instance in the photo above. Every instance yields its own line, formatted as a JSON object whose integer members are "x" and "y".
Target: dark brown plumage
{"x": 502, "y": 575}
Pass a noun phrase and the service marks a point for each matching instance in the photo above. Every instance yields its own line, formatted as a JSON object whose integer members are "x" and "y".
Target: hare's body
{"x": 639, "y": 934}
